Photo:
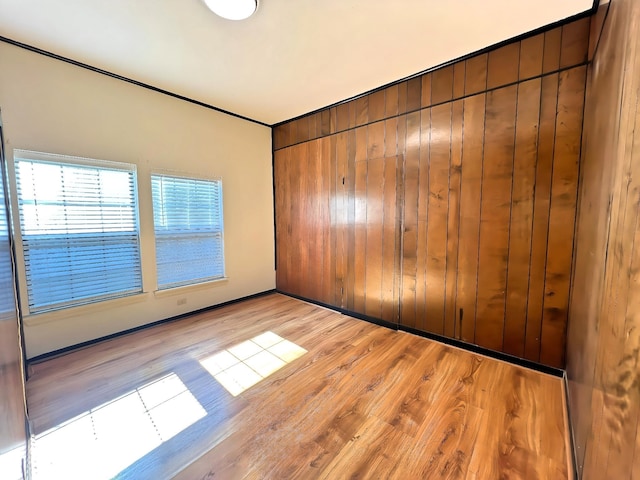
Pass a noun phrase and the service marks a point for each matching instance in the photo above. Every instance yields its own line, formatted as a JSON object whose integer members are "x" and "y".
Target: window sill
{"x": 46, "y": 317}
{"x": 170, "y": 292}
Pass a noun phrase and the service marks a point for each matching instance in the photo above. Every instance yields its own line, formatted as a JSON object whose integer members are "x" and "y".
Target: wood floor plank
{"x": 362, "y": 402}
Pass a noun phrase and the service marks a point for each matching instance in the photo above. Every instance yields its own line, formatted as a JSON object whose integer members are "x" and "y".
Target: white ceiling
{"x": 291, "y": 57}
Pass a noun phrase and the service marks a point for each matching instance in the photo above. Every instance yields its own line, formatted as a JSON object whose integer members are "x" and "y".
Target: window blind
{"x": 79, "y": 230}
{"x": 187, "y": 216}
{"x": 7, "y": 299}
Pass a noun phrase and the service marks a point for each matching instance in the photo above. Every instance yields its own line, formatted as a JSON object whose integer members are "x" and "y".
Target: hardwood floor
{"x": 362, "y": 402}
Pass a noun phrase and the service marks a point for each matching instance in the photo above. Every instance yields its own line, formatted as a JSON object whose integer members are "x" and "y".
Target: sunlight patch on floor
{"x": 102, "y": 442}
{"x": 242, "y": 366}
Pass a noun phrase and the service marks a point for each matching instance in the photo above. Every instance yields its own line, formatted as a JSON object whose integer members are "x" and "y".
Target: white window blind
{"x": 7, "y": 299}
{"x": 79, "y": 229}
{"x": 187, "y": 215}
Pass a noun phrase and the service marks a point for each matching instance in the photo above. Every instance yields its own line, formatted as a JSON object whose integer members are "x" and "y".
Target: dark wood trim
{"x": 126, "y": 79}
{"x": 521, "y": 362}
{"x": 273, "y": 199}
{"x": 78, "y": 346}
{"x": 454, "y": 99}
{"x": 495, "y": 46}
{"x": 572, "y": 440}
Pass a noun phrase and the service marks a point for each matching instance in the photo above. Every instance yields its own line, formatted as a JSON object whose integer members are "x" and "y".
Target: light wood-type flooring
{"x": 346, "y": 399}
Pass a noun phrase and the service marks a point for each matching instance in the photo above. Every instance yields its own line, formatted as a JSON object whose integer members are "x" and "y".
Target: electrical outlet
{"x": 182, "y": 301}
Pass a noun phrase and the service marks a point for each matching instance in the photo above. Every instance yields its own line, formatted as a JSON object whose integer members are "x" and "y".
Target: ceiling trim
{"x": 127, "y": 79}
{"x": 517, "y": 38}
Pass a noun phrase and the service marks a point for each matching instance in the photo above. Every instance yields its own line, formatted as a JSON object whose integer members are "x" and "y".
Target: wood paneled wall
{"x": 446, "y": 202}
{"x": 603, "y": 346}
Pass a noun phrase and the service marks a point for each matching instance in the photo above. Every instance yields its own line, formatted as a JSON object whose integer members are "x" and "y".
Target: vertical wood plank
{"x": 375, "y": 221}
{"x": 361, "y": 110}
{"x": 391, "y": 137}
{"x": 458, "y": 79}
{"x": 538, "y": 260}
{"x": 423, "y": 215}
{"x": 552, "y": 45}
{"x": 283, "y": 222}
{"x": 313, "y": 126}
{"x": 410, "y": 221}
{"x": 302, "y": 129}
{"x": 476, "y": 74}
{"x": 312, "y": 222}
{"x": 333, "y": 119}
{"x": 360, "y": 221}
{"x": 470, "y": 197}
{"x": 301, "y": 257}
{"x": 531, "y": 53}
{"x": 390, "y": 229}
{"x": 342, "y": 116}
{"x": 438, "y": 195}
{"x": 325, "y": 122}
{"x": 503, "y": 65}
{"x": 400, "y": 208}
{"x": 391, "y": 223}
{"x": 414, "y": 94}
{"x": 349, "y": 290}
{"x": 453, "y": 220}
{"x": 442, "y": 85}
{"x": 426, "y": 90}
{"x": 495, "y": 215}
{"x": 574, "y": 48}
{"x": 376, "y": 106}
{"x": 341, "y": 216}
{"x": 402, "y": 98}
{"x": 279, "y": 136}
{"x": 328, "y": 198}
{"x": 375, "y": 140}
{"x": 562, "y": 215}
{"x": 391, "y": 101}
{"x": 524, "y": 176}
{"x": 293, "y": 133}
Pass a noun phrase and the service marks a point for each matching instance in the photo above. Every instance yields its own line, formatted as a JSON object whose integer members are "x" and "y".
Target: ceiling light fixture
{"x": 232, "y": 9}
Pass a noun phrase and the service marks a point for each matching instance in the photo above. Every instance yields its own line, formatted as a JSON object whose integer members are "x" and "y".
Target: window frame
{"x": 180, "y": 287}
{"x": 59, "y": 308}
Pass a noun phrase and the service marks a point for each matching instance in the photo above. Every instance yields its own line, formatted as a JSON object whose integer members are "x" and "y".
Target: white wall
{"x": 54, "y": 107}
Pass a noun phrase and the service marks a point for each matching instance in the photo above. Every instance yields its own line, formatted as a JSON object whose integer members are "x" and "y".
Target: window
{"x": 187, "y": 215}
{"x": 79, "y": 226}
{"x": 7, "y": 299}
